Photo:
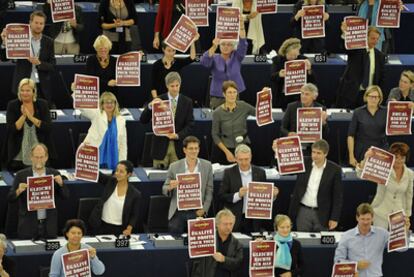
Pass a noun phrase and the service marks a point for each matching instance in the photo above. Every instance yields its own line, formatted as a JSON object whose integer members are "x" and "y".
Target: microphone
{"x": 72, "y": 143}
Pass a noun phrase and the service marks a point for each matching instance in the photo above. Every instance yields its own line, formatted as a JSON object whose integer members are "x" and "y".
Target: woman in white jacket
{"x": 107, "y": 131}
{"x": 253, "y": 24}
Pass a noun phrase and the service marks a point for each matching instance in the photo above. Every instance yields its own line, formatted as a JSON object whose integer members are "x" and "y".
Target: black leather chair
{"x": 158, "y": 214}
{"x": 146, "y": 159}
{"x": 85, "y": 208}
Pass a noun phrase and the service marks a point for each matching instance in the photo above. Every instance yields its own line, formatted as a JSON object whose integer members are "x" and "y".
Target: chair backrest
{"x": 44, "y": 271}
{"x": 146, "y": 158}
{"x": 158, "y": 214}
{"x": 81, "y": 138}
{"x": 85, "y": 208}
{"x": 10, "y": 228}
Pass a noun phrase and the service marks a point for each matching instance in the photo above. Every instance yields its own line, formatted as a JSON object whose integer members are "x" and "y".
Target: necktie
{"x": 173, "y": 105}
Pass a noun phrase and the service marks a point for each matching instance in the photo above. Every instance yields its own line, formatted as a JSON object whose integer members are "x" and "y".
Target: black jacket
{"x": 27, "y": 225}
{"x": 183, "y": 121}
{"x": 131, "y": 207}
{"x": 105, "y": 74}
{"x": 329, "y": 193}
{"x": 298, "y": 262}
{"x": 106, "y": 16}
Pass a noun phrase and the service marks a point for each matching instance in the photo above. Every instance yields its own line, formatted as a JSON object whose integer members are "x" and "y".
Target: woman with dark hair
{"x": 398, "y": 193}
{"x": 117, "y": 17}
{"x": 73, "y": 231}
{"x": 28, "y": 122}
{"x": 117, "y": 211}
{"x": 288, "y": 256}
{"x": 169, "y": 63}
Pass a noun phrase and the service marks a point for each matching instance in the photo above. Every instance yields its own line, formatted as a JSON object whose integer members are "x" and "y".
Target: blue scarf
{"x": 363, "y": 12}
{"x": 283, "y": 259}
{"x": 108, "y": 150}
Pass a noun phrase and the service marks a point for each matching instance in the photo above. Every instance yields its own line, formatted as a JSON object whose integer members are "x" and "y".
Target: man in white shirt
{"x": 316, "y": 202}
{"x": 190, "y": 164}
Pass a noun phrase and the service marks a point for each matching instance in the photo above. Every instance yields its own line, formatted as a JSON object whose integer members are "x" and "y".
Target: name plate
{"x": 320, "y": 58}
{"x": 122, "y": 243}
{"x": 260, "y": 58}
{"x": 327, "y": 238}
{"x": 80, "y": 58}
{"x": 52, "y": 245}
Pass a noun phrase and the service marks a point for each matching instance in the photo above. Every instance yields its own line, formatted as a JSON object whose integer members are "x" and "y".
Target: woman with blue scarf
{"x": 107, "y": 131}
{"x": 288, "y": 258}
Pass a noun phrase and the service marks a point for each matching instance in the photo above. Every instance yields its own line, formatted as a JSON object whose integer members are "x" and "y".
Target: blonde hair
{"x": 102, "y": 41}
{"x": 318, "y": 2}
{"x": 31, "y": 84}
{"x": 224, "y": 212}
{"x": 289, "y": 44}
{"x": 408, "y": 74}
{"x": 280, "y": 218}
{"x": 109, "y": 96}
{"x": 3, "y": 241}
{"x": 371, "y": 89}
{"x": 373, "y": 29}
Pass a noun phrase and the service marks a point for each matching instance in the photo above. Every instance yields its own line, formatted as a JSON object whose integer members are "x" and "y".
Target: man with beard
{"x": 41, "y": 223}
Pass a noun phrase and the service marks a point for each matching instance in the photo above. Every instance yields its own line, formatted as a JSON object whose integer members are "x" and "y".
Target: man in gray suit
{"x": 190, "y": 164}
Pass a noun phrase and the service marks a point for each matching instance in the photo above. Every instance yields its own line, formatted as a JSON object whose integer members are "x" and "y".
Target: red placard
{"x": 378, "y": 167}
{"x": 86, "y": 92}
{"x": 62, "y": 10}
{"x": 264, "y": 108}
{"x": 344, "y": 269}
{"x": 398, "y": 118}
{"x": 197, "y": 11}
{"x": 189, "y": 191}
{"x": 87, "y": 163}
{"x": 40, "y": 193}
{"x": 295, "y": 76}
{"x": 18, "y": 41}
{"x": 389, "y": 14}
{"x": 398, "y": 233}
{"x": 262, "y": 258}
{"x": 162, "y": 118}
{"x": 356, "y": 34}
{"x": 313, "y": 25}
{"x": 182, "y": 35}
{"x": 76, "y": 263}
{"x": 309, "y": 124}
{"x": 266, "y": 6}
{"x": 259, "y": 200}
{"x": 227, "y": 23}
{"x": 201, "y": 237}
{"x": 289, "y": 156}
{"x": 128, "y": 70}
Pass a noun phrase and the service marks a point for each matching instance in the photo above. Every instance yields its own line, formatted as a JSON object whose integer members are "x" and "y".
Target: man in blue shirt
{"x": 364, "y": 244}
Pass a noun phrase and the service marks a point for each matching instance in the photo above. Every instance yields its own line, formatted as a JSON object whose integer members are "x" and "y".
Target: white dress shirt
{"x": 112, "y": 209}
{"x": 310, "y": 198}
{"x": 246, "y": 178}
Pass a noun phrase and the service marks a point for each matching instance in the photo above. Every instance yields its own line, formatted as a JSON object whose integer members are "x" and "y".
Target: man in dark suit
{"x": 308, "y": 95}
{"x": 41, "y": 65}
{"x": 168, "y": 149}
{"x": 234, "y": 188}
{"x": 316, "y": 202}
{"x": 41, "y": 223}
{"x": 190, "y": 164}
{"x": 365, "y": 67}
{"x": 228, "y": 259}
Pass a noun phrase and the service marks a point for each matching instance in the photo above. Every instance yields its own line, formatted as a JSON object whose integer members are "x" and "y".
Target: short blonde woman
{"x": 405, "y": 89}
{"x": 289, "y": 51}
{"x": 28, "y": 122}
{"x": 252, "y": 24}
{"x": 7, "y": 265}
{"x": 107, "y": 131}
{"x": 289, "y": 257}
{"x": 102, "y": 64}
{"x": 367, "y": 126}
{"x": 309, "y": 45}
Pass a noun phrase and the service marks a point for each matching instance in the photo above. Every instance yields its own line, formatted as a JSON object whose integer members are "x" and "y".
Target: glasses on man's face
{"x": 373, "y": 96}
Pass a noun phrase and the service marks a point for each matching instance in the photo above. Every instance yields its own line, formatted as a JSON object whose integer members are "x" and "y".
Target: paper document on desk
{"x": 3, "y": 118}
{"x": 272, "y": 173}
{"x": 155, "y": 174}
{"x": 306, "y": 235}
{"x": 127, "y": 114}
{"x": 76, "y": 112}
{"x": 58, "y": 112}
{"x": 106, "y": 238}
{"x": 69, "y": 175}
{"x": 2, "y": 183}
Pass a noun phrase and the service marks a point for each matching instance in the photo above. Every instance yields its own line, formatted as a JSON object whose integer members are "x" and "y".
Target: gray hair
{"x": 322, "y": 145}
{"x": 172, "y": 77}
{"x": 224, "y": 212}
{"x": 3, "y": 241}
{"x": 242, "y": 148}
{"x": 311, "y": 87}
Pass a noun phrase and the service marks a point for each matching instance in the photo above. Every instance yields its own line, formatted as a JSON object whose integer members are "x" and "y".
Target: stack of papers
{"x": 2, "y": 118}
{"x": 272, "y": 173}
{"x": 306, "y": 235}
{"x": 127, "y": 114}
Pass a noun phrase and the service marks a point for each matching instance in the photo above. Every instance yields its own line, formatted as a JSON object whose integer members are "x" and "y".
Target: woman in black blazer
{"x": 28, "y": 120}
{"x": 289, "y": 256}
{"x": 289, "y": 51}
{"x": 117, "y": 211}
